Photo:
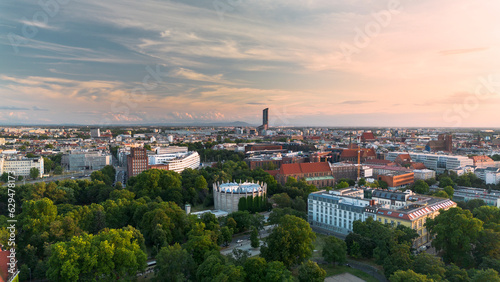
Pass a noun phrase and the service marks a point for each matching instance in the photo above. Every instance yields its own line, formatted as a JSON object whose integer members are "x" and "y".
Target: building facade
{"x": 21, "y": 166}
{"x": 176, "y": 161}
{"x": 318, "y": 174}
{"x": 137, "y": 161}
{"x": 336, "y": 212}
{"x": 78, "y": 160}
{"x": 228, "y": 195}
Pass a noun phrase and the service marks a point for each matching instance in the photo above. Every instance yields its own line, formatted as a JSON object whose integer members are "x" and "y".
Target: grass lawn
{"x": 338, "y": 269}
{"x": 318, "y": 246}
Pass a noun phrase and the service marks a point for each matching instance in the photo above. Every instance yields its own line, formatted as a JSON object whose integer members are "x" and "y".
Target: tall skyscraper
{"x": 265, "y": 121}
{"x": 265, "y": 118}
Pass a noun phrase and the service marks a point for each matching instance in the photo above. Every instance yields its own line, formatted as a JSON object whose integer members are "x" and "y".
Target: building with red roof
{"x": 318, "y": 174}
{"x": 351, "y": 155}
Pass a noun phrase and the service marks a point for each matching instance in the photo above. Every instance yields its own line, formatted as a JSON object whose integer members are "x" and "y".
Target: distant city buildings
{"x": 95, "y": 133}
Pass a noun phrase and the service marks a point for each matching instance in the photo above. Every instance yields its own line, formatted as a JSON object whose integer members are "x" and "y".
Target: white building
{"x": 176, "y": 161}
{"x": 490, "y": 175}
{"x": 21, "y": 165}
{"x": 170, "y": 150}
{"x": 336, "y": 212}
{"x": 228, "y": 195}
{"x": 424, "y": 174}
{"x": 436, "y": 162}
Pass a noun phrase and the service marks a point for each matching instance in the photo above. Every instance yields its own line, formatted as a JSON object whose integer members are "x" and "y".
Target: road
{"x": 76, "y": 175}
{"x": 245, "y": 244}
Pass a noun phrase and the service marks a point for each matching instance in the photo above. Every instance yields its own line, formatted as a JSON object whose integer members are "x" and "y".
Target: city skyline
{"x": 315, "y": 63}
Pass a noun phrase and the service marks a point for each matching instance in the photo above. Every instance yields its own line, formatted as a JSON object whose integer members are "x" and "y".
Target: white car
{"x": 239, "y": 241}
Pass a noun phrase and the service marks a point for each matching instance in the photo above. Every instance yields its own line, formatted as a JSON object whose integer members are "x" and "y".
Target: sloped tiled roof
{"x": 298, "y": 168}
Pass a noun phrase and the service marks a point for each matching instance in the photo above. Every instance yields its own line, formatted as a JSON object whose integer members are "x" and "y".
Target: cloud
{"x": 35, "y": 108}
{"x": 12, "y": 108}
{"x": 192, "y": 75}
{"x": 356, "y": 102}
{"x": 462, "y": 51}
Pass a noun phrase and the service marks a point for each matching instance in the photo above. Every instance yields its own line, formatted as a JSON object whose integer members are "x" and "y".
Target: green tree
{"x": 489, "y": 275}
{"x": 429, "y": 265}
{"x": 4, "y": 177}
{"x": 441, "y": 194}
{"x": 310, "y": 271}
{"x": 362, "y": 182}
{"x": 382, "y": 184}
{"x": 282, "y": 200}
{"x": 174, "y": 264}
{"x": 334, "y": 250}
{"x": 408, "y": 276}
{"x": 255, "y": 268}
{"x": 455, "y": 232}
{"x": 456, "y": 274}
{"x": 342, "y": 185}
{"x": 113, "y": 253}
{"x": 48, "y": 165}
{"x": 254, "y": 238}
{"x": 227, "y": 235}
{"x": 291, "y": 242}
{"x": 449, "y": 190}
{"x": 398, "y": 259}
{"x": 200, "y": 183}
{"x": 34, "y": 173}
{"x": 199, "y": 243}
{"x": 58, "y": 170}
{"x": 421, "y": 187}
{"x": 276, "y": 271}
{"x": 446, "y": 181}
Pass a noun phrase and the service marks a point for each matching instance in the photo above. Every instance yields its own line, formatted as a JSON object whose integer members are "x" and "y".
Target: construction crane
{"x": 359, "y": 163}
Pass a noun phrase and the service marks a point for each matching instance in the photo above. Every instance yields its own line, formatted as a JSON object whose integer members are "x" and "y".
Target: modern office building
{"x": 170, "y": 150}
{"x": 265, "y": 121}
{"x": 227, "y": 195}
{"x": 466, "y": 194}
{"x": 176, "y": 161}
{"x": 95, "y": 133}
{"x": 21, "y": 166}
{"x": 436, "y": 162}
{"x": 85, "y": 160}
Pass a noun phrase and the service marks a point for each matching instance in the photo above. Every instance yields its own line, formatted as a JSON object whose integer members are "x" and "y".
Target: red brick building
{"x": 318, "y": 174}
{"x": 351, "y": 155}
{"x": 137, "y": 161}
{"x": 263, "y": 147}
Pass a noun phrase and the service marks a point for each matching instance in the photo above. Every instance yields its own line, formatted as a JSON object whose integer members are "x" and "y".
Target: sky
{"x": 317, "y": 63}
